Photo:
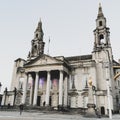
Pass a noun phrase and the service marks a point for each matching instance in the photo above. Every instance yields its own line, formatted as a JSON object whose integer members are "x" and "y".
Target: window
{"x": 101, "y": 37}
{"x": 100, "y": 23}
{"x": 35, "y": 46}
{"x": 36, "y": 35}
{"x": 102, "y": 41}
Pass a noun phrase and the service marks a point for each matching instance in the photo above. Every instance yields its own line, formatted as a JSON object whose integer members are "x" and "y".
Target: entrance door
{"x": 38, "y": 100}
{"x": 50, "y": 101}
{"x": 102, "y": 110}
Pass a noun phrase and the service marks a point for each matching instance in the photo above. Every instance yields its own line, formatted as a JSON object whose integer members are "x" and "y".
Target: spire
{"x": 37, "y": 44}
{"x": 101, "y": 32}
{"x": 100, "y": 13}
{"x": 39, "y": 27}
{"x": 38, "y": 34}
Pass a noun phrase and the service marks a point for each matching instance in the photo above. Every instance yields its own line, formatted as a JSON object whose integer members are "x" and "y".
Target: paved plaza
{"x": 5, "y": 115}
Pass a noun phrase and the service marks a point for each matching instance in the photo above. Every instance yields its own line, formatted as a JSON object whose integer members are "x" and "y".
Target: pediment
{"x": 44, "y": 60}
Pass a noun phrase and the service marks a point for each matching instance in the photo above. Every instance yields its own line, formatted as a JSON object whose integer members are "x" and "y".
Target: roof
{"x": 82, "y": 57}
{"x": 116, "y": 63}
{"x": 41, "y": 56}
{"x": 19, "y": 59}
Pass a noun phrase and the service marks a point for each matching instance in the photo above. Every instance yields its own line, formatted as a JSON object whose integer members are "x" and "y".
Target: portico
{"x": 49, "y": 86}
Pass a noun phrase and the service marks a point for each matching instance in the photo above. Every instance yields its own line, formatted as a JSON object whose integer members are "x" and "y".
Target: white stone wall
{"x": 16, "y": 74}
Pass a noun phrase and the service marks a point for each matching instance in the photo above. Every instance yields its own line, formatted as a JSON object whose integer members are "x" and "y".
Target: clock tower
{"x": 101, "y": 33}
{"x": 102, "y": 51}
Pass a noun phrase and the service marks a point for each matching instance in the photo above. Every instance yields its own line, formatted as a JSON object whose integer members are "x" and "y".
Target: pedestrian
{"x": 8, "y": 106}
{"x": 98, "y": 112}
{"x": 21, "y": 108}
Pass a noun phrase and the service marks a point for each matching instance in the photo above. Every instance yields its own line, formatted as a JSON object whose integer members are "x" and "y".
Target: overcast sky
{"x": 68, "y": 23}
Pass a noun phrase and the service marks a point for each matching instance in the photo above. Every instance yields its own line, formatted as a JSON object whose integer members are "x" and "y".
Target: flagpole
{"x": 48, "y": 46}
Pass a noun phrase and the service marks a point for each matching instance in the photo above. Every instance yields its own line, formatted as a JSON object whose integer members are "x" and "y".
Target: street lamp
{"x": 108, "y": 78}
{"x": 0, "y": 86}
{"x": 108, "y": 89}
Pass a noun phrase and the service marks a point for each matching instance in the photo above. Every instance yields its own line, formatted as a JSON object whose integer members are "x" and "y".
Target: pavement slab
{"x": 15, "y": 115}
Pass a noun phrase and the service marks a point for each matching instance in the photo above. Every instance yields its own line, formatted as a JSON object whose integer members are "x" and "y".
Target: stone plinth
{"x": 91, "y": 106}
{"x": 91, "y": 111}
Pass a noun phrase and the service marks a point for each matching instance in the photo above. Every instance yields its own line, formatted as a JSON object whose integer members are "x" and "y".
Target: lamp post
{"x": 15, "y": 93}
{"x": 108, "y": 78}
{"x": 108, "y": 89}
{"x": 108, "y": 95}
{"x": 0, "y": 86}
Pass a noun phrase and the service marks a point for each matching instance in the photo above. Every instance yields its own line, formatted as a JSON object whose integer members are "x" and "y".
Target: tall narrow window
{"x": 101, "y": 37}
{"x": 36, "y": 35}
{"x": 102, "y": 40}
{"x": 100, "y": 23}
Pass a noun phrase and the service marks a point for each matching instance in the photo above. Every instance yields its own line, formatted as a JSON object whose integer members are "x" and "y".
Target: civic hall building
{"x": 62, "y": 82}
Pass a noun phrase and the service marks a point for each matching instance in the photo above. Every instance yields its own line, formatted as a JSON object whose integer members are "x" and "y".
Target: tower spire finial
{"x": 39, "y": 27}
{"x": 40, "y": 21}
{"x": 100, "y": 13}
{"x": 99, "y": 5}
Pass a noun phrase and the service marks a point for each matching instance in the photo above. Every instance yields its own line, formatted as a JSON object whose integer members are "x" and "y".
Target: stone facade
{"x": 43, "y": 80}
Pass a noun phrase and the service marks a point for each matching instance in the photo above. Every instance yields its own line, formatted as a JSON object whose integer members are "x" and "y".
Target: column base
{"x": 34, "y": 105}
{"x": 60, "y": 107}
{"x": 91, "y": 113}
{"x": 47, "y": 107}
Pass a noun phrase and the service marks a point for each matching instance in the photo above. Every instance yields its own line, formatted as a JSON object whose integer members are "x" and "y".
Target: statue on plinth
{"x": 91, "y": 105}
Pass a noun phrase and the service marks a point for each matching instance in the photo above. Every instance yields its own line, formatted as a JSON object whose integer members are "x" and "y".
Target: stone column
{"x": 48, "y": 88}
{"x": 61, "y": 89}
{"x": 24, "y": 89}
{"x": 31, "y": 88}
{"x": 36, "y": 89}
{"x": 70, "y": 82}
{"x": 66, "y": 91}
{"x": 3, "y": 100}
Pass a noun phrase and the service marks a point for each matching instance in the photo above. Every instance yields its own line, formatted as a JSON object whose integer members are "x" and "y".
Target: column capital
{"x": 37, "y": 73}
{"x": 61, "y": 71}
{"x": 29, "y": 75}
{"x": 26, "y": 73}
{"x": 48, "y": 71}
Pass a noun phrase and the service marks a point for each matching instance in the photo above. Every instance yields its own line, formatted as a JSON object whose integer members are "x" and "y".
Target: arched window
{"x": 101, "y": 38}
{"x": 100, "y": 23}
{"x": 21, "y": 80}
{"x": 36, "y": 35}
{"x": 35, "y": 46}
{"x": 102, "y": 110}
